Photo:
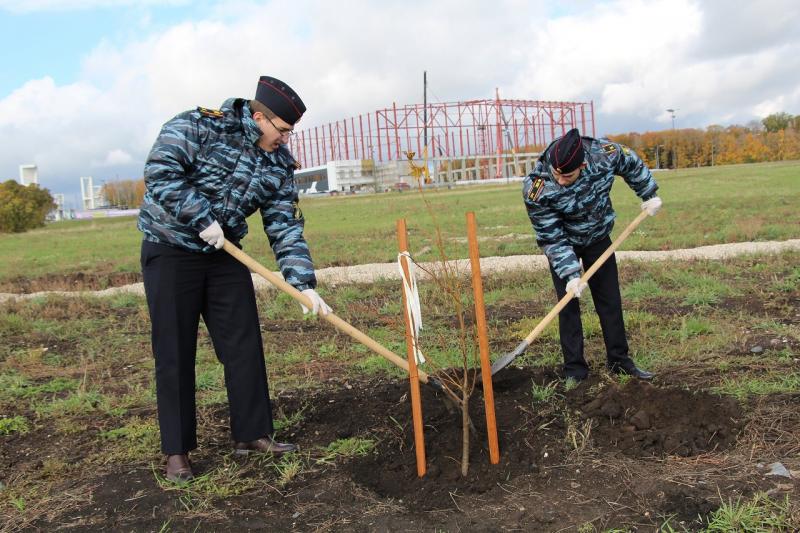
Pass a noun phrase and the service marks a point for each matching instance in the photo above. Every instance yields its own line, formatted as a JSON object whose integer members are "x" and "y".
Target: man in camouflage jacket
{"x": 567, "y": 197}
{"x": 206, "y": 173}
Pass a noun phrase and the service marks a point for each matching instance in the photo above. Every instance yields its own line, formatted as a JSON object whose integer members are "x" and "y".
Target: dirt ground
{"x": 633, "y": 456}
{"x": 78, "y": 281}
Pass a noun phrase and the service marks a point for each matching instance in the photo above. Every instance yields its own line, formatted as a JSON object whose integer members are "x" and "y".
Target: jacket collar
{"x": 238, "y": 117}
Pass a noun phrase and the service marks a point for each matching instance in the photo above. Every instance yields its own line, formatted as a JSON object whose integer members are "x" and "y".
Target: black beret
{"x": 566, "y": 153}
{"x": 280, "y": 99}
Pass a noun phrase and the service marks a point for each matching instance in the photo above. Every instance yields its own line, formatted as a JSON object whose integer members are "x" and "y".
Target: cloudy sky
{"x": 86, "y": 84}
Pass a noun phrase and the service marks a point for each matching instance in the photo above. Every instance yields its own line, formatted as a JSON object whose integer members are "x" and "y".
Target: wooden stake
{"x": 483, "y": 340}
{"x": 413, "y": 373}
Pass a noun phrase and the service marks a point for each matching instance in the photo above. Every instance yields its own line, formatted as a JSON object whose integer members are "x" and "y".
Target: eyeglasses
{"x": 284, "y": 132}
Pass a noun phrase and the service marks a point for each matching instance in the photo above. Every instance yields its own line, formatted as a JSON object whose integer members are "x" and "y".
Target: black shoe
{"x": 179, "y": 470}
{"x": 263, "y": 445}
{"x": 636, "y": 372}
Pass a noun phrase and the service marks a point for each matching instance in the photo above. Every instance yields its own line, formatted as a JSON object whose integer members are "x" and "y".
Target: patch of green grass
{"x": 642, "y": 289}
{"x": 14, "y": 385}
{"x": 283, "y": 422}
{"x": 328, "y": 350}
{"x": 637, "y": 320}
{"x": 13, "y": 324}
{"x": 742, "y": 387}
{"x": 541, "y": 354}
{"x": 289, "y": 467}
{"x": 209, "y": 398}
{"x": 76, "y": 404}
{"x": 623, "y": 379}
{"x": 692, "y": 326}
{"x": 647, "y": 359}
{"x": 126, "y": 300}
{"x": 210, "y": 378}
{"x": 447, "y": 353}
{"x": 697, "y": 287}
{"x": 349, "y": 447}
{"x": 16, "y": 424}
{"x": 543, "y": 393}
{"x": 375, "y": 364}
{"x": 760, "y": 514}
{"x": 279, "y": 306}
{"x": 224, "y": 481}
{"x": 774, "y": 327}
{"x": 787, "y": 283}
{"x": 136, "y": 441}
{"x": 137, "y": 396}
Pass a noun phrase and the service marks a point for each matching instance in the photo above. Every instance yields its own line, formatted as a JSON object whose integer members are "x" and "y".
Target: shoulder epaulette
{"x": 536, "y": 189}
{"x": 609, "y": 148}
{"x": 213, "y": 113}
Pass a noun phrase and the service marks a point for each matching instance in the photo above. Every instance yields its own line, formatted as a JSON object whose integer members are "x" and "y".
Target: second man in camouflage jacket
{"x": 567, "y": 197}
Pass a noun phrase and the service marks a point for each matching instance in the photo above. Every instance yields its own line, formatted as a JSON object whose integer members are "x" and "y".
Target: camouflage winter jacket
{"x": 581, "y": 213}
{"x": 204, "y": 166}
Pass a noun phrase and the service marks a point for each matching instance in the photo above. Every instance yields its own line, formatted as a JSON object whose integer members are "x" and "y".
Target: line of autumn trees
{"x": 775, "y": 138}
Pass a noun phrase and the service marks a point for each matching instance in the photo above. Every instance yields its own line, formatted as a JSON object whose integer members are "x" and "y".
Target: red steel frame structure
{"x": 455, "y": 129}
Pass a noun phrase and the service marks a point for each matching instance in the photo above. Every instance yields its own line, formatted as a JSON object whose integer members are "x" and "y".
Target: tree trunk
{"x": 465, "y": 424}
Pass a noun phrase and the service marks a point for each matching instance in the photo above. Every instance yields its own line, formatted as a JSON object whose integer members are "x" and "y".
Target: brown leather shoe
{"x": 179, "y": 470}
{"x": 263, "y": 445}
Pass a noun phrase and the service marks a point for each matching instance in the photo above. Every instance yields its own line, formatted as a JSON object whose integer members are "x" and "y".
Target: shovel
{"x": 506, "y": 359}
{"x": 331, "y": 318}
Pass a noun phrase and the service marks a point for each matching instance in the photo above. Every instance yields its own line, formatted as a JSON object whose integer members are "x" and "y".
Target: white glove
{"x": 577, "y": 286}
{"x": 318, "y": 305}
{"x": 213, "y": 235}
{"x": 652, "y": 205}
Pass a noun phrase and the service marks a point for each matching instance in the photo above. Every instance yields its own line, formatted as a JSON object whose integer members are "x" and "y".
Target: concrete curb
{"x": 373, "y": 272}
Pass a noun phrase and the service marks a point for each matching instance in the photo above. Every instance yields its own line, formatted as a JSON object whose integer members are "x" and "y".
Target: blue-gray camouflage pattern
{"x": 204, "y": 166}
{"x": 581, "y": 213}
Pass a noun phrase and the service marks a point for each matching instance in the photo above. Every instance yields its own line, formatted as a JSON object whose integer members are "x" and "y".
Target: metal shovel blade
{"x": 506, "y": 359}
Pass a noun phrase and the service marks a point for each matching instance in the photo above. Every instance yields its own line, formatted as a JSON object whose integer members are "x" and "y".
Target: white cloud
{"x": 113, "y": 158}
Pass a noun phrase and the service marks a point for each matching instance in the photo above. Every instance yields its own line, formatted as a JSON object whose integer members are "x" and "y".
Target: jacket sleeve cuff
{"x": 649, "y": 196}
{"x": 204, "y": 222}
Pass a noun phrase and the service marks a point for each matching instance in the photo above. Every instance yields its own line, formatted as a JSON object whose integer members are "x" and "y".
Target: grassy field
{"x": 701, "y": 206}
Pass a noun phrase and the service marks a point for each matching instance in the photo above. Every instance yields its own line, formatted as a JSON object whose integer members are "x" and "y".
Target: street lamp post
{"x": 674, "y": 141}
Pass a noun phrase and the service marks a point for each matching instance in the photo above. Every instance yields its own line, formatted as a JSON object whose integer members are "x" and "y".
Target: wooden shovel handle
{"x": 585, "y": 278}
{"x": 331, "y": 318}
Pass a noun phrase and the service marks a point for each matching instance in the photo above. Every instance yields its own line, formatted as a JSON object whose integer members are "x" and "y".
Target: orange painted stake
{"x": 483, "y": 340}
{"x": 413, "y": 373}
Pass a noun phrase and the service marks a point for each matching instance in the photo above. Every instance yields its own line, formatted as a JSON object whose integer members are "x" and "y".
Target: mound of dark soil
{"x": 638, "y": 419}
{"x": 642, "y": 419}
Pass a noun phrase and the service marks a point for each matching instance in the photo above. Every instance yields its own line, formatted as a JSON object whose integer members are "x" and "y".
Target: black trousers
{"x": 604, "y": 285}
{"x": 181, "y": 286}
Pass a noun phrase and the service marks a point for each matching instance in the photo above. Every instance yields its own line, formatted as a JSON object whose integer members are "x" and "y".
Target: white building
{"x": 28, "y": 174}
{"x": 368, "y": 175}
{"x": 91, "y": 194}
